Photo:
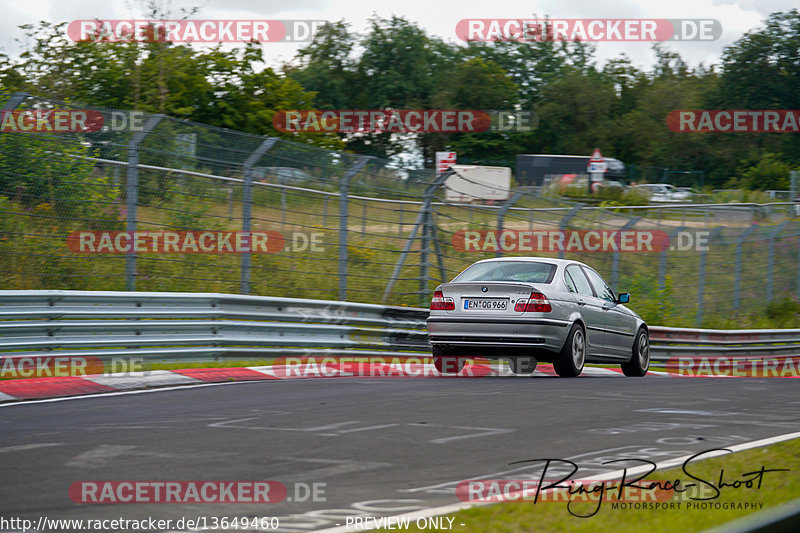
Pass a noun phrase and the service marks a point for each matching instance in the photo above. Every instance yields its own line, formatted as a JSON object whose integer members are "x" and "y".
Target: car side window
{"x": 580, "y": 281}
{"x": 570, "y": 283}
{"x": 602, "y": 288}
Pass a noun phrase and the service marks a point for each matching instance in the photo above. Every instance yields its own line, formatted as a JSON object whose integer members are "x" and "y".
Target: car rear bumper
{"x": 498, "y": 334}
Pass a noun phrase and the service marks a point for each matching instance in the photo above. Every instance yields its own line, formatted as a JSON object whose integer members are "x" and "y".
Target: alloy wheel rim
{"x": 578, "y": 349}
{"x": 644, "y": 352}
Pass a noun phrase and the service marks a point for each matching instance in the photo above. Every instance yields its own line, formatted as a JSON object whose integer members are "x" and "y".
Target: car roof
{"x": 561, "y": 262}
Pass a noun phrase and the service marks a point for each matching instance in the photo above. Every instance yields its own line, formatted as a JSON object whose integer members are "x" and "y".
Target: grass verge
{"x": 776, "y": 488}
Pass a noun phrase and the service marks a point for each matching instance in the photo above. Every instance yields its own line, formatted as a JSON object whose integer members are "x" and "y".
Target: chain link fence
{"x": 335, "y": 225}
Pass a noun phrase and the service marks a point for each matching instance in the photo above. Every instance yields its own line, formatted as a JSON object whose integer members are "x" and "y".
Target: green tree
{"x": 761, "y": 71}
{"x": 326, "y": 66}
{"x": 769, "y": 172}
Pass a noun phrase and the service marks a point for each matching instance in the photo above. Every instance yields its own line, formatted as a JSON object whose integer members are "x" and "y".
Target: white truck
{"x": 474, "y": 183}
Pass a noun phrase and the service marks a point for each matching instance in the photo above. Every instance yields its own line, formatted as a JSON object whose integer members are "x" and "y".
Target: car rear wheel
{"x": 573, "y": 355}
{"x": 640, "y": 358}
{"x": 522, "y": 365}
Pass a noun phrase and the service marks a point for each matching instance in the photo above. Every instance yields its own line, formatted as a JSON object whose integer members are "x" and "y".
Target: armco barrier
{"x": 735, "y": 343}
{"x": 186, "y": 325}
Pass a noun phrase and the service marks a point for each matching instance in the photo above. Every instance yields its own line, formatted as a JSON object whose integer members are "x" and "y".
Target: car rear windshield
{"x": 525, "y": 271}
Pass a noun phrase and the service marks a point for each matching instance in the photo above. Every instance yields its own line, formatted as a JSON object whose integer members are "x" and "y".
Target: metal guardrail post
{"x": 662, "y": 260}
{"x": 426, "y": 206}
{"x": 771, "y": 257}
{"x": 502, "y": 215}
{"x": 132, "y": 192}
{"x": 701, "y": 278}
{"x": 564, "y": 222}
{"x": 247, "y": 206}
{"x": 737, "y": 276}
{"x": 344, "y": 186}
{"x": 615, "y": 257}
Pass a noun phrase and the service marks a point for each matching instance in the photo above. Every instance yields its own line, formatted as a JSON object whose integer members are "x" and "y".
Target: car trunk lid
{"x": 488, "y": 298}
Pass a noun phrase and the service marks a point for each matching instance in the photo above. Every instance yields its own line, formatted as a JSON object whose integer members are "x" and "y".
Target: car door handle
{"x": 581, "y": 302}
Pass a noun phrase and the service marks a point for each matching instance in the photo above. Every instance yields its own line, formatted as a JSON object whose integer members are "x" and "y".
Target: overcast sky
{"x": 437, "y": 17}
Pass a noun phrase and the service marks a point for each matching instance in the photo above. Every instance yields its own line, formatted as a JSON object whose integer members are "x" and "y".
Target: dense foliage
{"x": 396, "y": 64}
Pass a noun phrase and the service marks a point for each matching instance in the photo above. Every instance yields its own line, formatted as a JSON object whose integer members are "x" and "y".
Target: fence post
{"x": 662, "y": 261}
{"x": 562, "y": 225}
{"x": 737, "y": 276}
{"x": 798, "y": 270}
{"x": 132, "y": 192}
{"x": 247, "y": 206}
{"x": 502, "y": 215}
{"x": 344, "y": 186}
{"x": 771, "y": 260}
{"x": 423, "y": 255}
{"x": 439, "y": 257}
{"x": 364, "y": 218}
{"x": 615, "y": 257}
{"x": 14, "y": 100}
{"x": 400, "y": 218}
{"x": 701, "y": 279}
{"x": 283, "y": 205}
{"x": 421, "y": 218}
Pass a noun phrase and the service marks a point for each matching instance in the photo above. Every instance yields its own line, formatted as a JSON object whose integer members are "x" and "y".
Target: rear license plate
{"x": 485, "y": 304}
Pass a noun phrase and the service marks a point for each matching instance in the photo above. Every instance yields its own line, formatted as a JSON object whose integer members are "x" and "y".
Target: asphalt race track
{"x": 376, "y": 446}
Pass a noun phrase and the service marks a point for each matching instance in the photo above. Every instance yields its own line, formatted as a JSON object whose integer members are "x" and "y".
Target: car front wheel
{"x": 573, "y": 355}
{"x": 640, "y": 358}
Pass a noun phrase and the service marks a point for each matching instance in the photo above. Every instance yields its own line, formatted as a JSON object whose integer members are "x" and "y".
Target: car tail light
{"x": 536, "y": 303}
{"x": 440, "y": 303}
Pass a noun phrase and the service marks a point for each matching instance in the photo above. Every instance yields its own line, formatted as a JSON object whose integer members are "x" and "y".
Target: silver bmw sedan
{"x": 529, "y": 309}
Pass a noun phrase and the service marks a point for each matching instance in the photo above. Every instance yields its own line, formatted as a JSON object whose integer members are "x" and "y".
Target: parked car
{"x": 664, "y": 192}
{"x": 530, "y": 309}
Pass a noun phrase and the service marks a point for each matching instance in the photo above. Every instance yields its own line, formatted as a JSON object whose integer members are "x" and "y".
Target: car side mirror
{"x": 623, "y": 298}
